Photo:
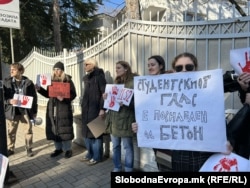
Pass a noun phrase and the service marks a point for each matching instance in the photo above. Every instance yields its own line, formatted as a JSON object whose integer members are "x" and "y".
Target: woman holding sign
{"x": 59, "y": 113}
{"x": 119, "y": 122}
{"x": 189, "y": 161}
{"x": 156, "y": 66}
{"x": 186, "y": 161}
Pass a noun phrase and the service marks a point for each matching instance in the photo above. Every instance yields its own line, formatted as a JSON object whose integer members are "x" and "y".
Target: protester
{"x": 187, "y": 160}
{"x": 92, "y": 107}
{"x": 19, "y": 84}
{"x": 156, "y": 66}
{"x": 119, "y": 122}
{"x": 241, "y": 137}
{"x": 184, "y": 160}
{"x": 59, "y": 113}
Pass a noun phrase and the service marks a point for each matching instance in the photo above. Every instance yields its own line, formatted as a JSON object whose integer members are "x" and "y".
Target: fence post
{"x": 64, "y": 59}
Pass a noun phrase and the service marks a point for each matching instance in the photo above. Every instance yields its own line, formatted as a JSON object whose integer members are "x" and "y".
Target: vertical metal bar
{"x": 12, "y": 48}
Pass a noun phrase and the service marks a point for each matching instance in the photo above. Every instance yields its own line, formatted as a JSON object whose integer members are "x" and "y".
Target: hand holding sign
{"x": 110, "y": 101}
{"x": 23, "y": 101}
{"x": 43, "y": 80}
{"x": 125, "y": 95}
{"x": 117, "y": 95}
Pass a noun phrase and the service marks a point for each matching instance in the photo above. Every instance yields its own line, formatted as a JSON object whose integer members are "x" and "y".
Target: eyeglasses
{"x": 57, "y": 69}
{"x": 87, "y": 64}
{"x": 188, "y": 67}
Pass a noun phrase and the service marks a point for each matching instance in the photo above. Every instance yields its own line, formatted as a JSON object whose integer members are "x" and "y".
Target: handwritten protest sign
{"x": 226, "y": 163}
{"x": 181, "y": 111}
{"x": 240, "y": 60}
{"x": 23, "y": 101}
{"x": 43, "y": 80}
{"x": 125, "y": 95}
{"x": 3, "y": 168}
{"x": 112, "y": 90}
{"x": 59, "y": 89}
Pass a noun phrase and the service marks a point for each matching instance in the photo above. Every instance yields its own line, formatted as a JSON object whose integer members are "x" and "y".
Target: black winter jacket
{"x": 92, "y": 101}
{"x": 28, "y": 89}
{"x": 59, "y": 115}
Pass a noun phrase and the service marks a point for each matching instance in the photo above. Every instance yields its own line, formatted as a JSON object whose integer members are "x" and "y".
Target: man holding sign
{"x": 20, "y": 100}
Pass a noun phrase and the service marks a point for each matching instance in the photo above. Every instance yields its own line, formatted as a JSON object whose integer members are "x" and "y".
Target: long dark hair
{"x": 127, "y": 76}
{"x": 159, "y": 59}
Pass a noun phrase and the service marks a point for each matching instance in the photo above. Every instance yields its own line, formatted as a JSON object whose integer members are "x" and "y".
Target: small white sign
{"x": 125, "y": 95}
{"x": 23, "y": 101}
{"x": 43, "y": 80}
{"x": 111, "y": 102}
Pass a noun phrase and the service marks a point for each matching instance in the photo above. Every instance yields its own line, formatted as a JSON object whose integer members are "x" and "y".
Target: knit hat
{"x": 59, "y": 65}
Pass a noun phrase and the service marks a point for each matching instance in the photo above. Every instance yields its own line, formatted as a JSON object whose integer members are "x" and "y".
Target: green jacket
{"x": 119, "y": 123}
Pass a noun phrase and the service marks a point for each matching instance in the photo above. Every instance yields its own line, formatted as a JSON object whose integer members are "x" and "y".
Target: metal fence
{"x": 135, "y": 41}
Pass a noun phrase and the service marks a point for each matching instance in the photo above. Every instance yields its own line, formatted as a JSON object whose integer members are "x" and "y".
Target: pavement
{"x": 42, "y": 171}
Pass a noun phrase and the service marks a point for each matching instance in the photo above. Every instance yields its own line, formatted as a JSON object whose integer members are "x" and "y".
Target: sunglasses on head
{"x": 188, "y": 67}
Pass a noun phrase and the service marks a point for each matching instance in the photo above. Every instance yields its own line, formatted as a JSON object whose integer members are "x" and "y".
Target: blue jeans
{"x": 95, "y": 148}
{"x": 129, "y": 153}
{"x": 63, "y": 145}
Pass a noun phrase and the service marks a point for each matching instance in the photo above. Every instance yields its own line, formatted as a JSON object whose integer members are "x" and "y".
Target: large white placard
{"x": 181, "y": 111}
{"x": 9, "y": 14}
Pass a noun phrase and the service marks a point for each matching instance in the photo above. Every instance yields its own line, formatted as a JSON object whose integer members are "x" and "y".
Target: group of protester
{"x": 192, "y": 161}
{"x": 121, "y": 125}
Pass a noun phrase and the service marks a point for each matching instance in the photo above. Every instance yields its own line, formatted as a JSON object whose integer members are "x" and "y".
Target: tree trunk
{"x": 132, "y": 9}
{"x": 56, "y": 26}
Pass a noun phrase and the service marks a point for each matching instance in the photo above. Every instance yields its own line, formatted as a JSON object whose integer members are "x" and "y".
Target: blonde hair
{"x": 63, "y": 77}
{"x": 91, "y": 61}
